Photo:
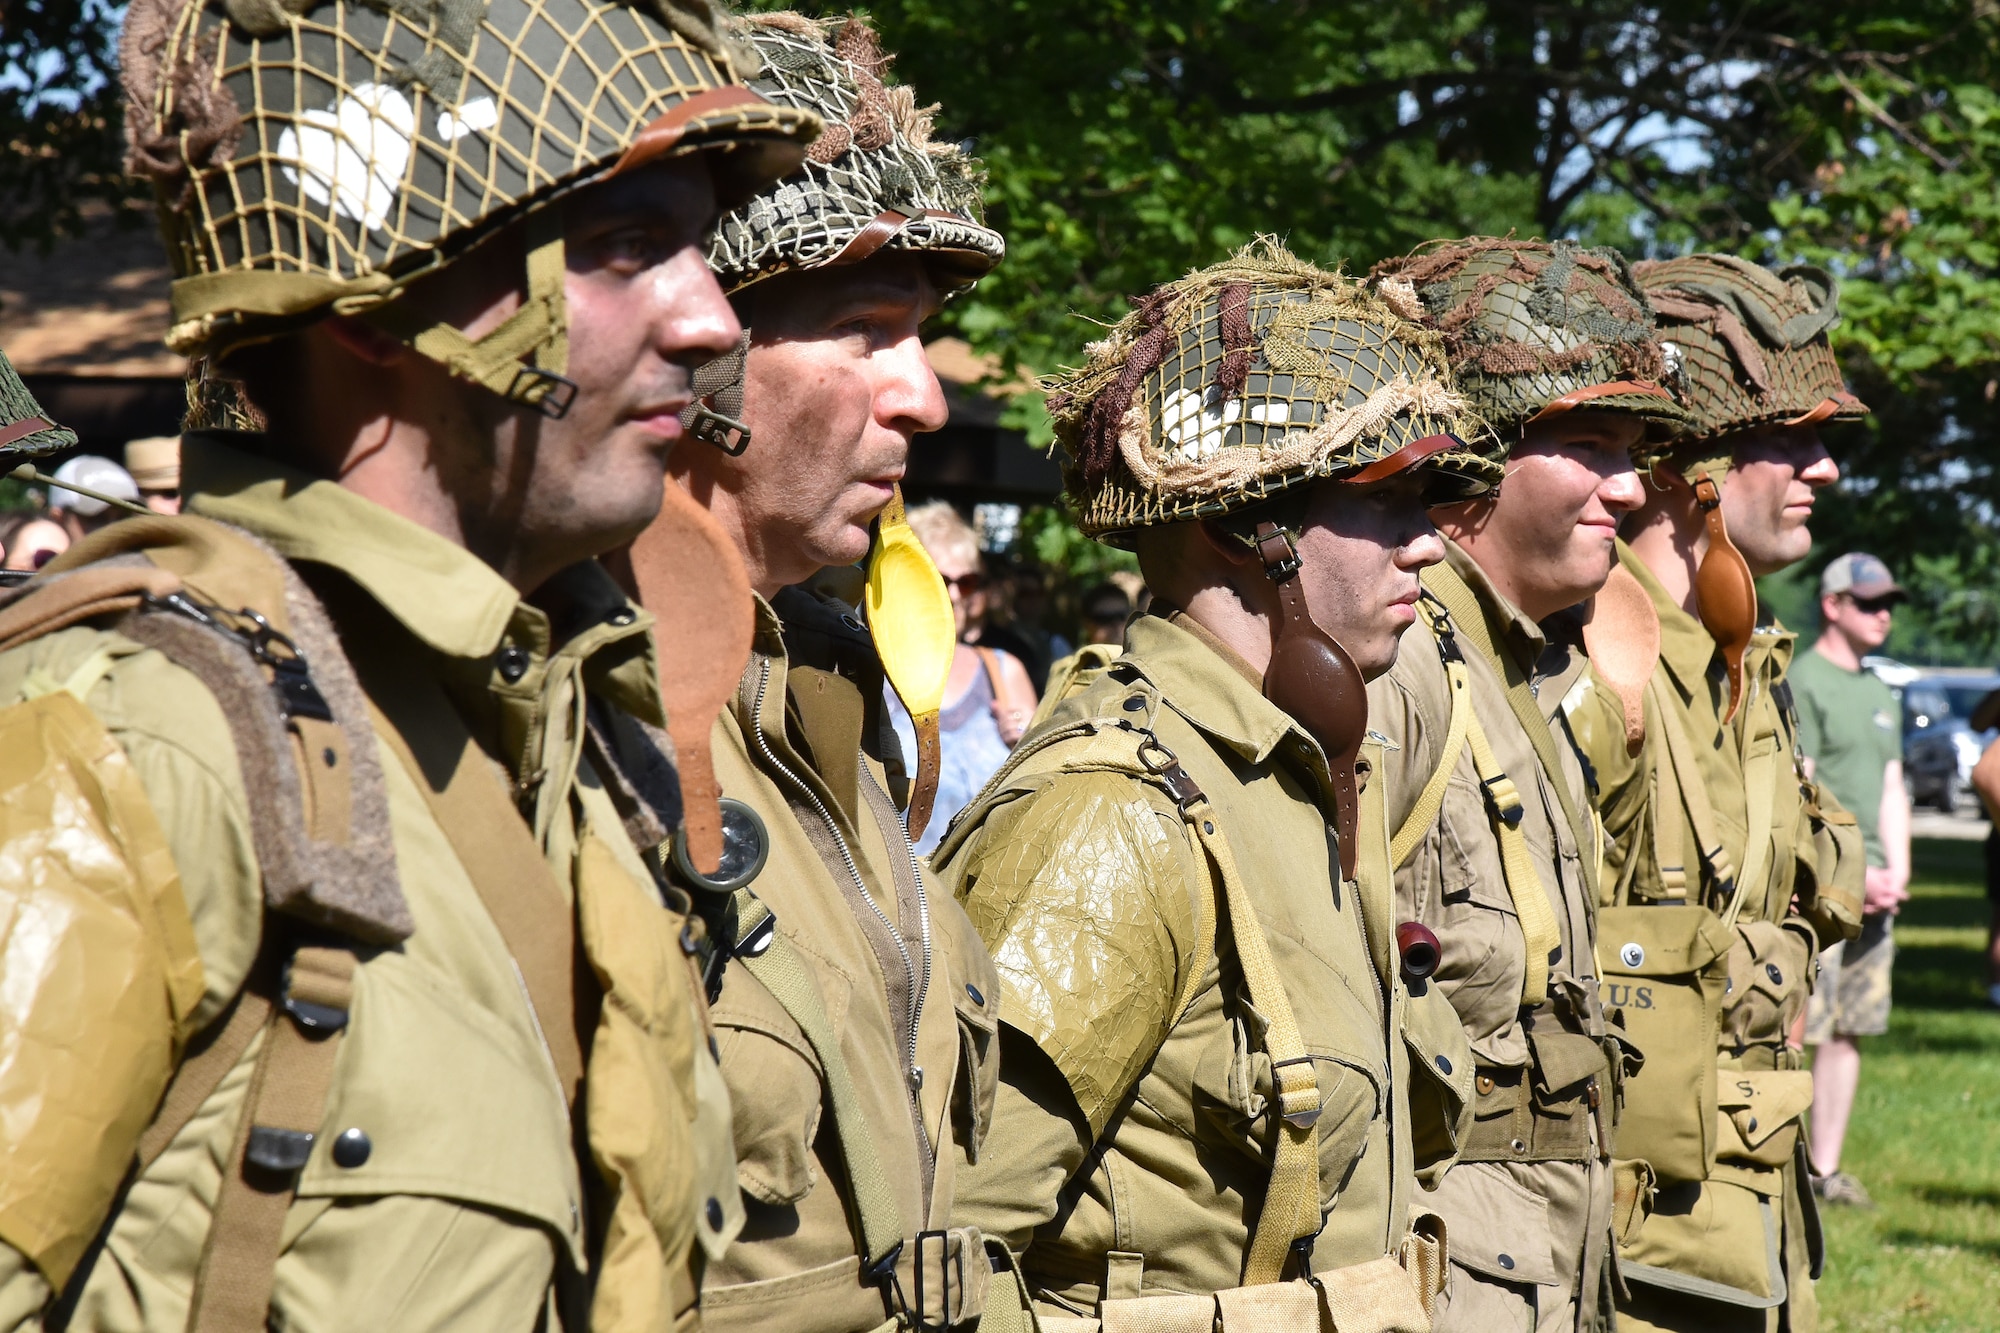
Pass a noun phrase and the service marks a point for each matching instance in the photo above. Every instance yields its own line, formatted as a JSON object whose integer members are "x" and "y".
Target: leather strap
{"x": 23, "y": 428}
{"x": 1576, "y": 398}
{"x": 1405, "y": 458}
{"x": 881, "y": 229}
{"x": 1725, "y": 592}
{"x": 279, "y": 1127}
{"x": 1313, "y": 679}
{"x": 1820, "y": 411}
{"x": 664, "y": 135}
{"x": 528, "y": 906}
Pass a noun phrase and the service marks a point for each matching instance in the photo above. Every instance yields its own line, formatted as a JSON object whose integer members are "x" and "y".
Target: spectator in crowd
{"x": 1105, "y": 609}
{"x": 155, "y": 465}
{"x": 988, "y": 699}
{"x": 1851, "y": 734}
{"x": 81, "y": 515}
{"x": 29, "y": 540}
{"x": 1134, "y": 584}
{"x": 1986, "y": 781}
{"x": 1014, "y": 622}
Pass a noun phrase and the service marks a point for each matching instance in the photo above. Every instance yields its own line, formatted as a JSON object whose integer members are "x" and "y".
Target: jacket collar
{"x": 1523, "y": 635}
{"x": 1685, "y": 647}
{"x": 447, "y": 597}
{"x": 1217, "y": 694}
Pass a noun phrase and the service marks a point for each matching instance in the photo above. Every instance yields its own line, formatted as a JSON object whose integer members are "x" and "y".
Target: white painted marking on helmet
{"x": 475, "y": 116}
{"x": 353, "y": 156}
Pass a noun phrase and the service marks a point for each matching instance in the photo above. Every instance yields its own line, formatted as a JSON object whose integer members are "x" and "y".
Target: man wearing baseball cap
{"x": 1850, "y": 734}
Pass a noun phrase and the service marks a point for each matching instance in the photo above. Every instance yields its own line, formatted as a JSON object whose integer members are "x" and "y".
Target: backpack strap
{"x": 1681, "y": 787}
{"x": 1540, "y": 933}
{"x": 274, "y": 1138}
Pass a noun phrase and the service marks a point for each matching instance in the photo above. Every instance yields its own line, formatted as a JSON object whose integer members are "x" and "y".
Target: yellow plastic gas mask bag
{"x": 916, "y": 635}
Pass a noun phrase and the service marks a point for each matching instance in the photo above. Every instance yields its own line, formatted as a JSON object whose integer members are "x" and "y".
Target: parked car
{"x": 1940, "y": 745}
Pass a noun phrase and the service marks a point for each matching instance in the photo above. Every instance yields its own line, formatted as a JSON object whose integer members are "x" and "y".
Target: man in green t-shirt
{"x": 1849, "y": 730}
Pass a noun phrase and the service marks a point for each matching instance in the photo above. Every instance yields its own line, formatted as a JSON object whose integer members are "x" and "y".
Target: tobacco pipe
{"x": 1418, "y": 948}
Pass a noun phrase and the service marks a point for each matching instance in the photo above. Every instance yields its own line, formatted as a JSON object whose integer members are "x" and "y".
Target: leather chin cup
{"x": 1314, "y": 680}
{"x": 1724, "y": 590}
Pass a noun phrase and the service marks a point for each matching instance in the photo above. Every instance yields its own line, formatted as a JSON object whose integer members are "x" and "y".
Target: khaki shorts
{"x": 1852, "y": 997}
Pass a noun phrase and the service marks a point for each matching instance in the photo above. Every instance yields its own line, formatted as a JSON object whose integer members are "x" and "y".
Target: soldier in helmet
{"x": 855, "y": 1023}
{"x": 1727, "y": 867}
{"x": 355, "y": 1003}
{"x": 1495, "y": 847}
{"x": 1216, "y": 1084}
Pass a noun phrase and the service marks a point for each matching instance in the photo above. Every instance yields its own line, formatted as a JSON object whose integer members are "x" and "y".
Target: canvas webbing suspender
{"x": 529, "y": 907}
{"x": 281, "y": 1120}
{"x": 1470, "y": 620}
{"x": 1680, "y": 785}
{"x": 769, "y": 956}
{"x": 1540, "y": 933}
{"x": 1291, "y": 1202}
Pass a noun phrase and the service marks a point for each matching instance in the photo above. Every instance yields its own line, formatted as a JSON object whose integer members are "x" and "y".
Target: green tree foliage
{"x": 61, "y": 120}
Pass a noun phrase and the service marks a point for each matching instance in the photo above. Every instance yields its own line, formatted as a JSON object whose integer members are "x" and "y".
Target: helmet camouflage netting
{"x": 315, "y": 156}
{"x": 1753, "y": 343}
{"x": 25, "y": 430}
{"x": 1243, "y": 380}
{"x": 875, "y": 169}
{"x": 1535, "y": 327}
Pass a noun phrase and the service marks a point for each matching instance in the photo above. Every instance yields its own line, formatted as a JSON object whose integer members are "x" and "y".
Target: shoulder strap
{"x": 1459, "y": 680}
{"x": 1540, "y": 934}
{"x": 274, "y": 1139}
{"x": 1681, "y": 786}
{"x": 1470, "y": 619}
{"x": 528, "y": 906}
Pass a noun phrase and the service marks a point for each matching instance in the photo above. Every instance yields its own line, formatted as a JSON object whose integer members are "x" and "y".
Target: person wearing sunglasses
{"x": 1726, "y": 869}
{"x": 1850, "y": 729}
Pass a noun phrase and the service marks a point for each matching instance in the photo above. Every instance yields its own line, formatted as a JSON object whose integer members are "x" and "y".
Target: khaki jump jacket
{"x": 901, "y": 974}
{"x": 1130, "y": 1152}
{"x": 473, "y": 1210}
{"x": 1749, "y": 1227}
{"x": 1529, "y": 1203}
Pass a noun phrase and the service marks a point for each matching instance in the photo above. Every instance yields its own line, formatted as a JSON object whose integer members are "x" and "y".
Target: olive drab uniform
{"x": 1496, "y": 846}
{"x": 858, "y": 1015}
{"x": 1726, "y": 870}
{"x": 1134, "y": 1155}
{"x": 893, "y": 972}
{"x": 1217, "y": 1090}
{"x": 372, "y": 1006}
{"x": 1498, "y": 854}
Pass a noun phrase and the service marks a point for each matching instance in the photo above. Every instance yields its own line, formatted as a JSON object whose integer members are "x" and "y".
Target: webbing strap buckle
{"x": 950, "y": 1266}
{"x": 1158, "y": 759}
{"x": 712, "y": 427}
{"x": 1292, "y": 1092}
{"x": 544, "y": 390}
{"x": 1503, "y": 799}
{"x": 883, "y": 1274}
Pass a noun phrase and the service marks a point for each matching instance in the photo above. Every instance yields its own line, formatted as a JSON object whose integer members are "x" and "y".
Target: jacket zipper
{"x": 919, "y": 982}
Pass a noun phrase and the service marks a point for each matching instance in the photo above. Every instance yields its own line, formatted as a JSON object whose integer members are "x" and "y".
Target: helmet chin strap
{"x": 1313, "y": 678}
{"x": 1725, "y": 592}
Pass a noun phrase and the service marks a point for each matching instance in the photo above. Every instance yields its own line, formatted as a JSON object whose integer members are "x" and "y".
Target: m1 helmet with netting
{"x": 1240, "y": 382}
{"x": 314, "y": 157}
{"x": 1751, "y": 345}
{"x": 875, "y": 180}
{"x": 25, "y": 430}
{"x": 1536, "y": 328}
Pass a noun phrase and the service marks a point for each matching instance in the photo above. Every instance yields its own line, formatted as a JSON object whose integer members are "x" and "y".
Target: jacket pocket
{"x": 978, "y": 1012}
{"x": 775, "y": 1088}
{"x": 1770, "y": 967}
{"x": 1441, "y": 1075}
{"x": 1665, "y": 969}
{"x": 1232, "y": 1095}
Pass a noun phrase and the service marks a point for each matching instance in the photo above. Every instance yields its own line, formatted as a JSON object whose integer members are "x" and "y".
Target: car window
{"x": 1924, "y": 705}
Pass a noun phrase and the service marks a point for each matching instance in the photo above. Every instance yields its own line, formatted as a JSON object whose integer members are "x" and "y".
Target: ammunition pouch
{"x": 1770, "y": 979}
{"x": 1721, "y": 1239}
{"x": 1665, "y": 972}
{"x": 1829, "y": 883}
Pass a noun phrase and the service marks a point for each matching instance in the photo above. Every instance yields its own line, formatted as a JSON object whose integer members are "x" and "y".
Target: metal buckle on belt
{"x": 950, "y": 1267}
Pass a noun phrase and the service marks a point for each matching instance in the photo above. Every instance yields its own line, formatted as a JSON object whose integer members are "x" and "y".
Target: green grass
{"x": 1925, "y": 1138}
